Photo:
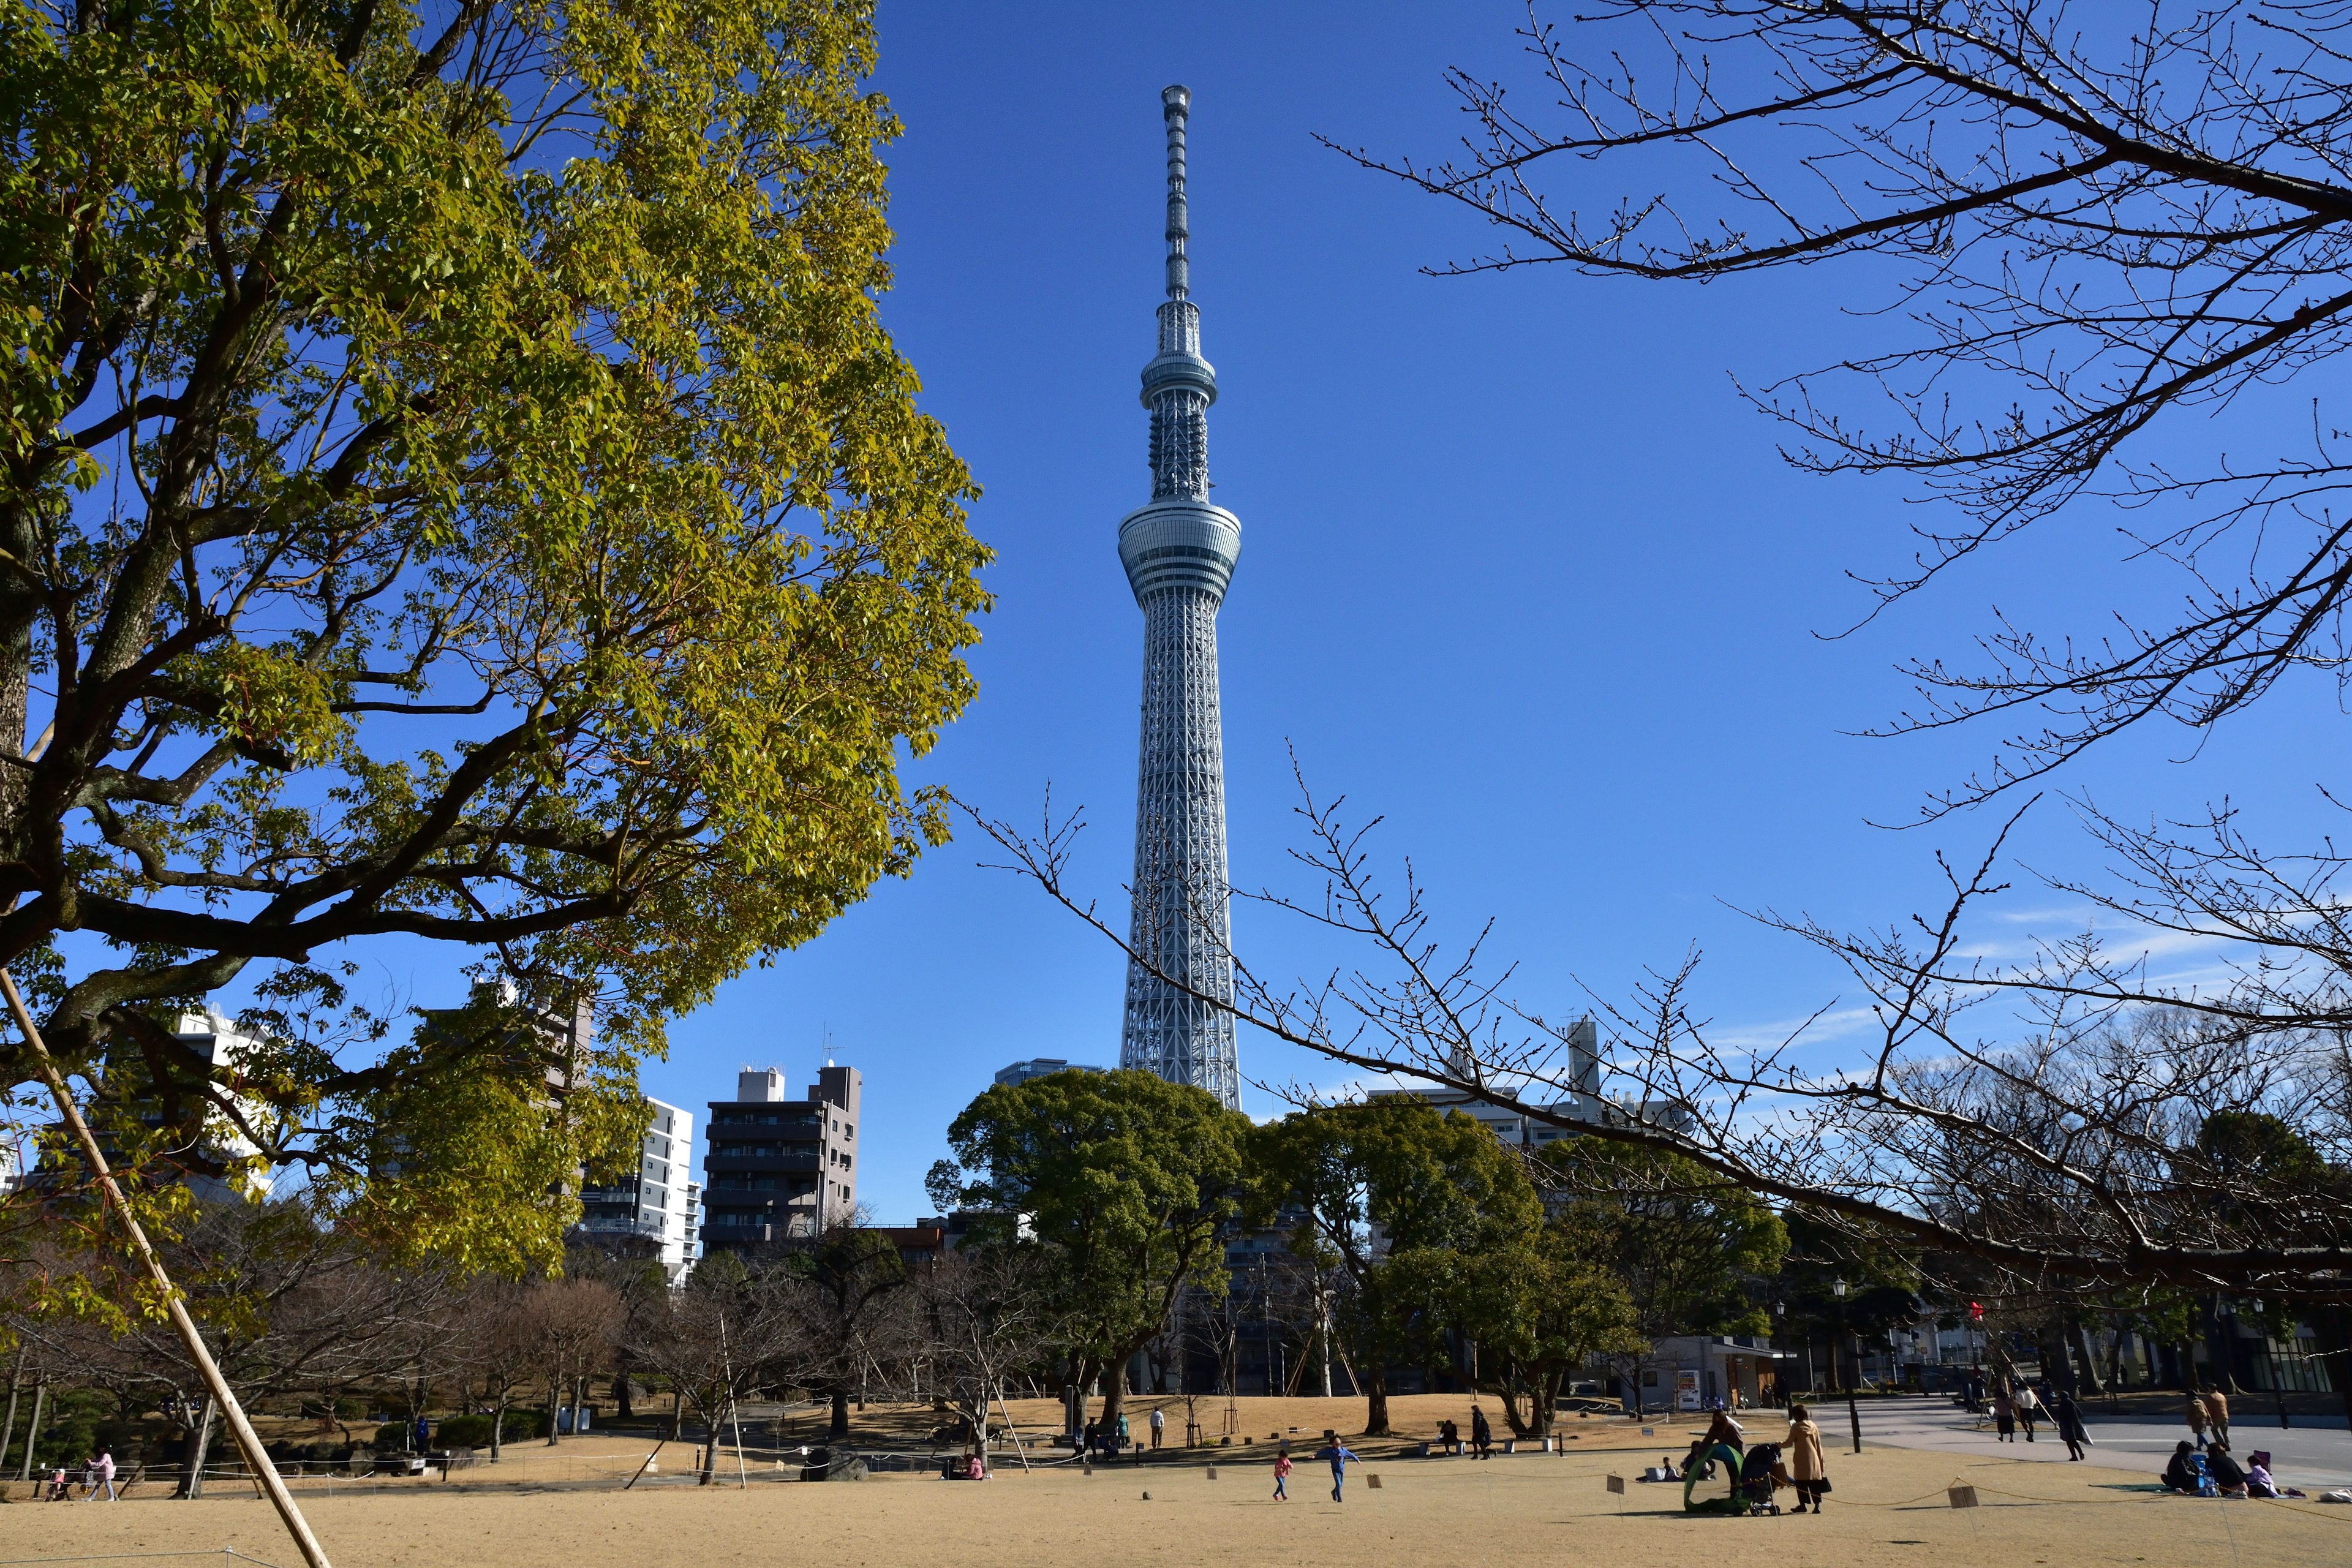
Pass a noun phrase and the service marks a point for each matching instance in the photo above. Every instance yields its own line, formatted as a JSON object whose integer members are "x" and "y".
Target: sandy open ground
{"x": 1889, "y": 1506}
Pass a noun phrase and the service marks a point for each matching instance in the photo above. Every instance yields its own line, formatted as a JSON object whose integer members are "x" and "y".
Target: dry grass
{"x": 1889, "y": 1507}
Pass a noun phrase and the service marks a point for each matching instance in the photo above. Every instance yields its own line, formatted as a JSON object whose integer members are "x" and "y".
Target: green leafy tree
{"x": 457, "y": 487}
{"x": 1685, "y": 1244}
{"x": 1538, "y": 1312}
{"x": 1397, "y": 1197}
{"x": 1131, "y": 1185}
{"x": 1881, "y": 1278}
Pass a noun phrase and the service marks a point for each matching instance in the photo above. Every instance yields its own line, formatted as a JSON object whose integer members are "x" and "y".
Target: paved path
{"x": 2314, "y": 1459}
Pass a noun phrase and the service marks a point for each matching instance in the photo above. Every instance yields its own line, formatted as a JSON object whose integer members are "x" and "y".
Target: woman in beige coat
{"x": 1802, "y": 1453}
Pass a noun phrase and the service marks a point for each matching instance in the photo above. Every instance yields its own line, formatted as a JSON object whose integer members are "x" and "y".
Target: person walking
{"x": 1481, "y": 1435}
{"x": 2216, "y": 1414}
{"x": 102, "y": 1475}
{"x": 2068, "y": 1414}
{"x": 2029, "y": 1406}
{"x": 1338, "y": 1453}
{"x": 1800, "y": 1451}
{"x": 2197, "y": 1419}
{"x": 1158, "y": 1425}
{"x": 2004, "y": 1416}
{"x": 1281, "y": 1479}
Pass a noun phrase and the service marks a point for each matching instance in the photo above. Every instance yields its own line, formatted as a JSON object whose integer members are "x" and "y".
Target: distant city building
{"x": 1582, "y": 1104}
{"x": 651, "y": 1211}
{"x": 1178, "y": 551}
{"x": 211, "y": 1035}
{"x": 780, "y": 1170}
{"x": 1038, "y": 1067}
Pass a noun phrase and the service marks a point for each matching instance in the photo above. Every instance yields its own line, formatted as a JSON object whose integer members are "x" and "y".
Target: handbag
{"x": 1822, "y": 1484}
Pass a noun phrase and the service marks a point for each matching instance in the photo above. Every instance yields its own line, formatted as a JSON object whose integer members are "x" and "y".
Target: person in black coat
{"x": 2181, "y": 1474}
{"x": 2228, "y": 1474}
{"x": 2070, "y": 1424}
{"x": 1481, "y": 1435}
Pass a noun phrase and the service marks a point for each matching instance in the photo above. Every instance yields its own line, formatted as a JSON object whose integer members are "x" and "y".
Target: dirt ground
{"x": 1889, "y": 1506}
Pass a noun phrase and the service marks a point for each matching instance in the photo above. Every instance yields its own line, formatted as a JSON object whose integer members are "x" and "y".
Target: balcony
{"x": 772, "y": 1157}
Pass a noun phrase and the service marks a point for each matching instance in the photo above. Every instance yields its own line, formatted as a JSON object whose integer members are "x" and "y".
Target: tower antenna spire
{"x": 1178, "y": 551}
{"x": 1176, "y": 108}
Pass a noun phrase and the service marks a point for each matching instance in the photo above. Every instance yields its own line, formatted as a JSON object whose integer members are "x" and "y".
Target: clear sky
{"x": 1520, "y": 571}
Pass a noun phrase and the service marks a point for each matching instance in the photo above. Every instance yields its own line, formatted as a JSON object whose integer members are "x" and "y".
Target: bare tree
{"x": 573, "y": 1325}
{"x": 717, "y": 1337}
{"x": 852, "y": 1295}
{"x": 984, "y": 1316}
{"x": 495, "y": 1348}
{"x": 2101, "y": 227}
{"x": 283, "y": 1306}
{"x": 2081, "y": 1150}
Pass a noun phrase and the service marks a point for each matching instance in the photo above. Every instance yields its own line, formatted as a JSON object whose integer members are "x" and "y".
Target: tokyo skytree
{"x": 1179, "y": 552}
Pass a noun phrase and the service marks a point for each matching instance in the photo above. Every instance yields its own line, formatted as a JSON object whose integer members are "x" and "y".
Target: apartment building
{"x": 652, "y": 1210}
{"x": 780, "y": 1170}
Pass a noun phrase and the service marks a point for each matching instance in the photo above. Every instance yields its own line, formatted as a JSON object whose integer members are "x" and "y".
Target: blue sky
{"x": 1520, "y": 571}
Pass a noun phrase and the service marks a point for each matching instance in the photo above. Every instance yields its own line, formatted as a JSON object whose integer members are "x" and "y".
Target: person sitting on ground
{"x": 1666, "y": 1463}
{"x": 2260, "y": 1482}
{"x": 2181, "y": 1474}
{"x": 2228, "y": 1474}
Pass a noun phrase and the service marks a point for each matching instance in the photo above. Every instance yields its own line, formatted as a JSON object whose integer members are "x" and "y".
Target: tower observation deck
{"x": 1179, "y": 551}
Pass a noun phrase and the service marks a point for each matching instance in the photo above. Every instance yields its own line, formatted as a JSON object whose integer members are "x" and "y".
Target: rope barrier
{"x": 224, "y": 1554}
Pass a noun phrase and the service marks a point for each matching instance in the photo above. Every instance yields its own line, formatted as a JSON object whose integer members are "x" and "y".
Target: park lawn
{"x": 1889, "y": 1507}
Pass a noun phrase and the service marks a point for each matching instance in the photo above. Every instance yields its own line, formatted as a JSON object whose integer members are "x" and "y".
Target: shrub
{"x": 474, "y": 1431}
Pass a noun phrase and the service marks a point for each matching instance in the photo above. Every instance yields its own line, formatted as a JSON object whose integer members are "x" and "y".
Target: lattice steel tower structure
{"x": 1179, "y": 552}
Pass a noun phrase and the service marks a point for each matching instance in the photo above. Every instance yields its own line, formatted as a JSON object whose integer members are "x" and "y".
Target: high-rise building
{"x": 650, "y": 1211}
{"x": 781, "y": 1169}
{"x": 1038, "y": 1067}
{"x": 1179, "y": 551}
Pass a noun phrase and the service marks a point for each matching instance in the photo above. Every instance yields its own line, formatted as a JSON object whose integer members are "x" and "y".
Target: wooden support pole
{"x": 248, "y": 1443}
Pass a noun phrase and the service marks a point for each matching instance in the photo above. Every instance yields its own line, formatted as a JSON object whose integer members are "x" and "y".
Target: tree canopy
{"x": 1131, "y": 1183}
{"x": 1400, "y": 1199}
{"x": 457, "y": 487}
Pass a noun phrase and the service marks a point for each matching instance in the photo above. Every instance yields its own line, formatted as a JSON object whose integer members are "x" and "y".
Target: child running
{"x": 1338, "y": 1453}
{"x": 1281, "y": 1477}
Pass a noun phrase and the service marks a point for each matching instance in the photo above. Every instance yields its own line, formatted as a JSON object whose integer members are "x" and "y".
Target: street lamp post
{"x": 1853, "y": 1410}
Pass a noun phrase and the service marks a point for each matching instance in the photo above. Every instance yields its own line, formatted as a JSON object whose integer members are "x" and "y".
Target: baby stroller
{"x": 1757, "y": 1480}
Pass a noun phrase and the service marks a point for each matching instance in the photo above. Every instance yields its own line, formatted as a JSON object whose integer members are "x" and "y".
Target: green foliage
{"x": 1685, "y": 1244}
{"x": 459, "y": 488}
{"x": 1405, "y": 1201}
{"x": 1129, "y": 1181}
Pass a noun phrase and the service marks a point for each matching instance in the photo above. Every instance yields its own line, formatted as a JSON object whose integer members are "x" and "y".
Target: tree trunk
{"x": 709, "y": 1449}
{"x": 497, "y": 1430}
{"x": 1376, "y": 1403}
{"x": 623, "y": 1410}
{"x": 1114, "y": 1392}
{"x": 33, "y": 1432}
{"x": 2080, "y": 1343}
{"x": 554, "y": 1401}
{"x": 677, "y": 1414}
{"x": 8, "y": 1431}
{"x": 837, "y": 1430}
{"x": 192, "y": 1454}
